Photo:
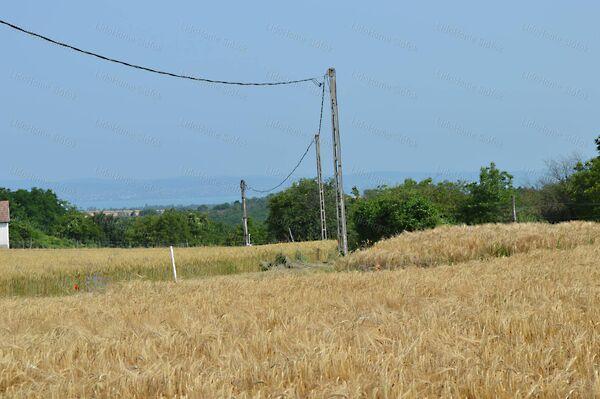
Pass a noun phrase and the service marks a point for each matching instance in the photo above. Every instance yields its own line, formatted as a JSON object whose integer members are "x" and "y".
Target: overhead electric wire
{"x": 322, "y": 101}
{"x": 288, "y": 176}
{"x": 157, "y": 71}
{"x": 195, "y": 78}
{"x": 303, "y": 155}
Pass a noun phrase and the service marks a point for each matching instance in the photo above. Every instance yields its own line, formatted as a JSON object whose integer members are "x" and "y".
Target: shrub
{"x": 388, "y": 214}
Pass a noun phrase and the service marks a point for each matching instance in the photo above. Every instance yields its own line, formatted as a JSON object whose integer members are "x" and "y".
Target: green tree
{"x": 41, "y": 208}
{"x": 555, "y": 199}
{"x": 80, "y": 228}
{"x": 140, "y": 232}
{"x": 448, "y": 197}
{"x": 170, "y": 228}
{"x": 259, "y": 235}
{"x": 176, "y": 227}
{"x": 389, "y": 214}
{"x": 572, "y": 190}
{"x": 583, "y": 187}
{"x": 23, "y": 234}
{"x": 297, "y": 208}
{"x": 204, "y": 231}
{"x": 489, "y": 199}
{"x": 113, "y": 229}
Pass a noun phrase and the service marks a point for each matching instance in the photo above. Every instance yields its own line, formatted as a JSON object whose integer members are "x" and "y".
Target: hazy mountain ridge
{"x": 106, "y": 193}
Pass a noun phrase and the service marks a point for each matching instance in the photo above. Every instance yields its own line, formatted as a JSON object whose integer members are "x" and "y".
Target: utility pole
{"x": 321, "y": 192}
{"x": 337, "y": 166}
{"x": 514, "y": 208}
{"x": 245, "y": 213}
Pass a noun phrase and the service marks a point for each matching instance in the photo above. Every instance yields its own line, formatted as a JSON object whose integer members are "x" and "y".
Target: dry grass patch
{"x": 524, "y": 326}
{"x": 455, "y": 244}
{"x": 57, "y": 271}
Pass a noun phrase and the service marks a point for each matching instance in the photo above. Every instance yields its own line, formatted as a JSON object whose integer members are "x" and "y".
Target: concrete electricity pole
{"x": 244, "y": 213}
{"x": 321, "y": 192}
{"x": 514, "y": 208}
{"x": 337, "y": 166}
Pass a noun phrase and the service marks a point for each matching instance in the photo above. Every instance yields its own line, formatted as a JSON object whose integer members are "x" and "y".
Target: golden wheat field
{"x": 454, "y": 244}
{"x": 526, "y": 325}
{"x": 57, "y": 271}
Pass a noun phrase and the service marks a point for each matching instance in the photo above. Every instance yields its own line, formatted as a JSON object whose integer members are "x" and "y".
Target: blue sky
{"x": 427, "y": 86}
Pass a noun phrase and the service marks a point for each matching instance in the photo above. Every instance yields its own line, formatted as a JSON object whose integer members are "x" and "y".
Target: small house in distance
{"x": 4, "y": 221}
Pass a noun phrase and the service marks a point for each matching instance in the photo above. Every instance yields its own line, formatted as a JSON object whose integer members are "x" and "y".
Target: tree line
{"x": 570, "y": 191}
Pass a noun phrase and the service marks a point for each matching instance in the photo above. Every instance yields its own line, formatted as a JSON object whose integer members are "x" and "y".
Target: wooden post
{"x": 173, "y": 263}
{"x": 245, "y": 214}
{"x": 337, "y": 166}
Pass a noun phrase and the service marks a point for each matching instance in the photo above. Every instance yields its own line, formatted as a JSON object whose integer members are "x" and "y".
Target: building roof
{"x": 4, "y": 212}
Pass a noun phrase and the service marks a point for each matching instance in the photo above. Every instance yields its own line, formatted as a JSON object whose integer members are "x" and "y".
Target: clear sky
{"x": 423, "y": 86}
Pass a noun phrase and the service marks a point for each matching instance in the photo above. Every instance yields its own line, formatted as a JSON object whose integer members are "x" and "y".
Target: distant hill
{"x": 229, "y": 213}
{"x": 115, "y": 192}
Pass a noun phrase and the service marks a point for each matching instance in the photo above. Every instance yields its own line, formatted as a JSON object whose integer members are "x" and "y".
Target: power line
{"x": 322, "y": 212}
{"x": 205, "y": 80}
{"x": 157, "y": 71}
{"x": 288, "y": 176}
{"x": 322, "y": 101}
{"x": 303, "y": 155}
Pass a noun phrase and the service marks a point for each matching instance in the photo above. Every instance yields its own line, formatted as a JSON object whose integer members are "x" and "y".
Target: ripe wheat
{"x": 454, "y": 244}
{"x": 521, "y": 326}
{"x": 58, "y": 271}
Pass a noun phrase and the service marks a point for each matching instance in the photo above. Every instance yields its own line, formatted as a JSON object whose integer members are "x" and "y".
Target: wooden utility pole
{"x": 514, "y": 208}
{"x": 321, "y": 191}
{"x": 244, "y": 213}
{"x": 337, "y": 166}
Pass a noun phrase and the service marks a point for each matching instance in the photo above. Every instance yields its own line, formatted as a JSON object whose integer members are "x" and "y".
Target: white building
{"x": 4, "y": 221}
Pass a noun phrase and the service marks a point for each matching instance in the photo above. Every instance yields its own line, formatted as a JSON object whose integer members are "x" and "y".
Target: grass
{"x": 519, "y": 326}
{"x": 46, "y": 272}
{"x": 455, "y": 244}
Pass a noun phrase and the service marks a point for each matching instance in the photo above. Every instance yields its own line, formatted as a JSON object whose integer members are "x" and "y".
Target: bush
{"x": 23, "y": 234}
{"x": 297, "y": 208}
{"x": 490, "y": 198}
{"x": 388, "y": 214}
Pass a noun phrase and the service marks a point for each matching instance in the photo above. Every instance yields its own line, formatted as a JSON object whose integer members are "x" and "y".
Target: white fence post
{"x": 173, "y": 262}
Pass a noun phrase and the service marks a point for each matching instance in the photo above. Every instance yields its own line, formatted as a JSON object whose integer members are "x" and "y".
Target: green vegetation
{"x": 389, "y": 214}
{"x": 41, "y": 220}
{"x": 297, "y": 209}
{"x": 230, "y": 214}
{"x": 487, "y": 199}
{"x": 572, "y": 192}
